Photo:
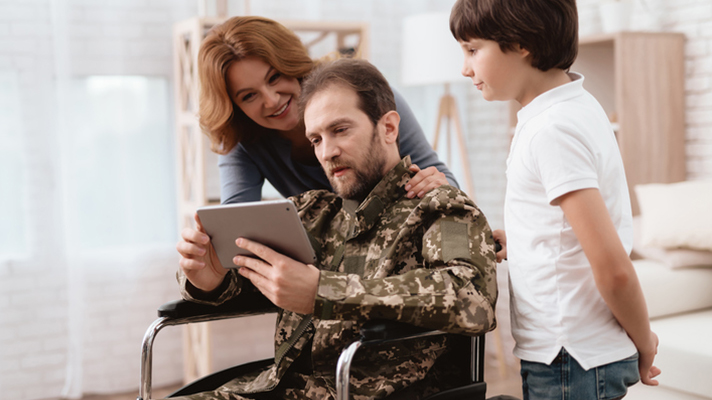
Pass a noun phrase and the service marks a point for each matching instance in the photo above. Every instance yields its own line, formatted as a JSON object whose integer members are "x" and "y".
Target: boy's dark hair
{"x": 374, "y": 93}
{"x": 548, "y": 29}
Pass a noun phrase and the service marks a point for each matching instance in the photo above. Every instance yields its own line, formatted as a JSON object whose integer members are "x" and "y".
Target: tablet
{"x": 273, "y": 223}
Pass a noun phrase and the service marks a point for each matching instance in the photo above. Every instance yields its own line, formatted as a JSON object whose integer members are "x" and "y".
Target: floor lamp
{"x": 432, "y": 56}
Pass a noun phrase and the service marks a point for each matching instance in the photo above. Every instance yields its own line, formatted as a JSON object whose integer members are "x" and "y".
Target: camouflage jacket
{"x": 428, "y": 262}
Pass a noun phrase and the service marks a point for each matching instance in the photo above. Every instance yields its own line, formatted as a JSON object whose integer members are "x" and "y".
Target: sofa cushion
{"x": 676, "y": 214}
{"x": 685, "y": 352}
{"x": 672, "y": 291}
{"x": 673, "y": 258}
{"x": 676, "y": 258}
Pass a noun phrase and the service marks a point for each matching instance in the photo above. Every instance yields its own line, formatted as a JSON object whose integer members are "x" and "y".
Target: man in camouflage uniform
{"x": 428, "y": 262}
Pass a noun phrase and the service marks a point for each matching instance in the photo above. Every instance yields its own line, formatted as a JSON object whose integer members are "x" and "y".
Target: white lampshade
{"x": 431, "y": 55}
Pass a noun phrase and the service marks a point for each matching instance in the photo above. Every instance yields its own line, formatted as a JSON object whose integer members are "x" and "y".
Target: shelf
{"x": 638, "y": 78}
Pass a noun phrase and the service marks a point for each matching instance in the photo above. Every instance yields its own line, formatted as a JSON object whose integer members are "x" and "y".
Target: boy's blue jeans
{"x": 565, "y": 379}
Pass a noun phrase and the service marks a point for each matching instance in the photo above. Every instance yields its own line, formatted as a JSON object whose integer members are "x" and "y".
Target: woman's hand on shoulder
{"x": 198, "y": 261}
{"x": 424, "y": 181}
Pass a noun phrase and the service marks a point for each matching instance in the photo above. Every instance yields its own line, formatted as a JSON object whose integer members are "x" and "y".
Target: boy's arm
{"x": 613, "y": 272}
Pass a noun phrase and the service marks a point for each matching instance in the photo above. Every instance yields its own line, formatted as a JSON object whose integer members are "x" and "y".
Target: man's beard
{"x": 366, "y": 178}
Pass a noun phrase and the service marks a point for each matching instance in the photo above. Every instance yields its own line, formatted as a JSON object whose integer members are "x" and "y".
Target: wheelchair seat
{"x": 470, "y": 350}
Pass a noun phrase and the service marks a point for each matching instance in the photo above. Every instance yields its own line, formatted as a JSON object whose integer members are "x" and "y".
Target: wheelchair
{"x": 470, "y": 350}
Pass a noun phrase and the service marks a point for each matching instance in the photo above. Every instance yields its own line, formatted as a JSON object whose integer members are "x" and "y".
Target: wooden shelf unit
{"x": 639, "y": 79}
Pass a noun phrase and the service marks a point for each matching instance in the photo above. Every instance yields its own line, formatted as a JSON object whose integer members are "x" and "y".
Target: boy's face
{"x": 497, "y": 74}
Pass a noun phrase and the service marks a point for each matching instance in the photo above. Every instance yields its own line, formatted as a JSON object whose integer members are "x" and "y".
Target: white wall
{"x": 134, "y": 37}
{"x": 694, "y": 19}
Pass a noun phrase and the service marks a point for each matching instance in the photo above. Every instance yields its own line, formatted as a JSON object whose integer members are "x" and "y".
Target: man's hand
{"x": 424, "y": 181}
{"x": 645, "y": 363}
{"x": 288, "y": 283}
{"x": 198, "y": 260}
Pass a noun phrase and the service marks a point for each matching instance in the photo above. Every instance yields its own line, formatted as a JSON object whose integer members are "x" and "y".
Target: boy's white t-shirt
{"x": 563, "y": 142}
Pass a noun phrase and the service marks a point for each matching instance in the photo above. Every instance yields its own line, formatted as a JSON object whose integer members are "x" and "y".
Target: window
{"x": 119, "y": 162}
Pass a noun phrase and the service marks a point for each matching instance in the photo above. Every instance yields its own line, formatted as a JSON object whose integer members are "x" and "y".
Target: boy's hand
{"x": 645, "y": 363}
{"x": 424, "y": 181}
{"x": 501, "y": 237}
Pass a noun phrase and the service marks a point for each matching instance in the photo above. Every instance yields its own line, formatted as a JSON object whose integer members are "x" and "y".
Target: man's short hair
{"x": 548, "y": 29}
{"x": 374, "y": 93}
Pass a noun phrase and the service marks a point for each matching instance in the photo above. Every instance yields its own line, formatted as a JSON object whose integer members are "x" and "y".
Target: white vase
{"x": 615, "y": 15}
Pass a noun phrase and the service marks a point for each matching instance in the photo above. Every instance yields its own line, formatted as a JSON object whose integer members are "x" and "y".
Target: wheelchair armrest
{"x": 374, "y": 332}
{"x": 179, "y": 312}
{"x": 381, "y": 329}
{"x": 243, "y": 305}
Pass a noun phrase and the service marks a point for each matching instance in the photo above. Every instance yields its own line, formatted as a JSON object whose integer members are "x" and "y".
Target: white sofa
{"x": 677, "y": 283}
{"x": 680, "y": 306}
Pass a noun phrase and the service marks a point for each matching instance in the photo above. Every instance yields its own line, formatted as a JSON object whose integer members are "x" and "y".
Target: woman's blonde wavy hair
{"x": 239, "y": 37}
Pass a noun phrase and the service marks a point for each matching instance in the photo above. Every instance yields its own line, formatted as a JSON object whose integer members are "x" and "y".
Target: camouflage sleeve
{"x": 455, "y": 290}
{"x": 229, "y": 288}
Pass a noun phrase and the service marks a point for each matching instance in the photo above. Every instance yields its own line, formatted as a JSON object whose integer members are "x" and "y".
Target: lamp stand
{"x": 447, "y": 110}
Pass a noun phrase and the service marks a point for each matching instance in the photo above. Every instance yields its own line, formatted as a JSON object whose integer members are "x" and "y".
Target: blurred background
{"x": 88, "y": 177}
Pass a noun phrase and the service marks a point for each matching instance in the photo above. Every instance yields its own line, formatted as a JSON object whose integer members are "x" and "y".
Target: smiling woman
{"x": 265, "y": 95}
{"x": 251, "y": 70}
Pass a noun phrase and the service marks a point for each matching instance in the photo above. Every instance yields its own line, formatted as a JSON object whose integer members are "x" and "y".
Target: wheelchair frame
{"x": 374, "y": 332}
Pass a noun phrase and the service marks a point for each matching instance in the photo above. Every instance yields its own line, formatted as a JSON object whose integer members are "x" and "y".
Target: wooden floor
{"x": 507, "y": 382}
{"x": 503, "y": 381}
{"x": 157, "y": 393}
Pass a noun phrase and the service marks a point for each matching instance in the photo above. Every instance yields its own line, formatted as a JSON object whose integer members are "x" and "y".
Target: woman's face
{"x": 264, "y": 94}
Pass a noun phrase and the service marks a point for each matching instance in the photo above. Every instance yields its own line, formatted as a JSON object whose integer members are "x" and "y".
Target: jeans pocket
{"x": 615, "y": 378}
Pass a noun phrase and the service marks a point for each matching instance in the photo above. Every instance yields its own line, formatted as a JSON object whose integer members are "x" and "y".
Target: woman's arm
{"x": 240, "y": 179}
{"x": 613, "y": 272}
{"x": 412, "y": 141}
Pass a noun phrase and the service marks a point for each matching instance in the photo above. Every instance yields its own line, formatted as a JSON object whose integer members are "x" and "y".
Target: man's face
{"x": 348, "y": 146}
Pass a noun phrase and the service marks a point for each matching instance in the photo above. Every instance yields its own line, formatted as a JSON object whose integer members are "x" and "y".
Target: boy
{"x": 578, "y": 314}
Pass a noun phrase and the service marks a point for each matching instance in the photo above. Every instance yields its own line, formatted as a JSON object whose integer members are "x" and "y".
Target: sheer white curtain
{"x": 87, "y": 196}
